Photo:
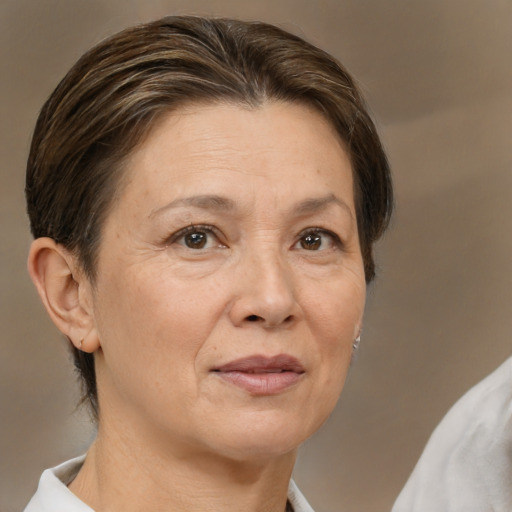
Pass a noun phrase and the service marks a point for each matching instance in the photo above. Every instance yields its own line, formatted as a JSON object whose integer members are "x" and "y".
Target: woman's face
{"x": 230, "y": 282}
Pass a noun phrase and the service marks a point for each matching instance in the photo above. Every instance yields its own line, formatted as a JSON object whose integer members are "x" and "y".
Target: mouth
{"x": 260, "y": 375}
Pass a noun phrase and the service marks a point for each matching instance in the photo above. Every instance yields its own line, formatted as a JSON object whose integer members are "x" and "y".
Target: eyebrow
{"x": 317, "y": 204}
{"x": 220, "y": 203}
{"x": 205, "y": 202}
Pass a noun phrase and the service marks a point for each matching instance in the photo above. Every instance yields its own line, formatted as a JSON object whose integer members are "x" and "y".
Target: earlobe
{"x": 64, "y": 290}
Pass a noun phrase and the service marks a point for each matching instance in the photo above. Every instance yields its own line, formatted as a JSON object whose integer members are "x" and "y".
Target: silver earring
{"x": 355, "y": 345}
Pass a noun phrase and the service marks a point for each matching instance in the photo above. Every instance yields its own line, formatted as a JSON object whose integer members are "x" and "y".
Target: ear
{"x": 65, "y": 291}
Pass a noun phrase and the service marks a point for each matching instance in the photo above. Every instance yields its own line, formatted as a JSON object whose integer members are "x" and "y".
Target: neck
{"x": 116, "y": 477}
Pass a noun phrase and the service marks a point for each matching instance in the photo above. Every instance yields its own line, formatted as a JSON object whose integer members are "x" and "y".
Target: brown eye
{"x": 311, "y": 242}
{"x": 195, "y": 240}
{"x": 197, "y": 237}
{"x": 318, "y": 239}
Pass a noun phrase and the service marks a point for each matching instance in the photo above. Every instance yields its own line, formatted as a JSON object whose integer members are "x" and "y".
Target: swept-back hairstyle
{"x": 114, "y": 94}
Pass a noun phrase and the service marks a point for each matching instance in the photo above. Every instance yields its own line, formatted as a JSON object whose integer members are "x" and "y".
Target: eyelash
{"x": 211, "y": 230}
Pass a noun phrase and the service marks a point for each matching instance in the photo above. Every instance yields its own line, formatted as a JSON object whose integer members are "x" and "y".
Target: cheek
{"x": 337, "y": 309}
{"x": 151, "y": 330}
{"x": 155, "y": 319}
{"x": 335, "y": 318}
{"x": 334, "y": 315}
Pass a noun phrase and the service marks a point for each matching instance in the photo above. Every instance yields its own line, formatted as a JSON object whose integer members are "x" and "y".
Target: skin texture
{"x": 269, "y": 265}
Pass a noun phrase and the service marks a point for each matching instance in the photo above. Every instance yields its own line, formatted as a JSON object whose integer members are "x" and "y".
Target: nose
{"x": 264, "y": 294}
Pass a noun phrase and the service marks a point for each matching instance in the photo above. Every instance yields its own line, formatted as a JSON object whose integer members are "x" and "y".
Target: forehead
{"x": 239, "y": 149}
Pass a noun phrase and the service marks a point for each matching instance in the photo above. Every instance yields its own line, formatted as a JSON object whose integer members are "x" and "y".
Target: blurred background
{"x": 438, "y": 76}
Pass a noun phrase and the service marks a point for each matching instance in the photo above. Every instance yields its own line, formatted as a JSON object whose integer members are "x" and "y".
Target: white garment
{"x": 467, "y": 463}
{"x": 53, "y": 495}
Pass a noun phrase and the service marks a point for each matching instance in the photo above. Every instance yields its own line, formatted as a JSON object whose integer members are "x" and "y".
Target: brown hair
{"x": 112, "y": 96}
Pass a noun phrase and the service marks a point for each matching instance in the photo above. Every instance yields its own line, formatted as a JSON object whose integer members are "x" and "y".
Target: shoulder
{"x": 467, "y": 463}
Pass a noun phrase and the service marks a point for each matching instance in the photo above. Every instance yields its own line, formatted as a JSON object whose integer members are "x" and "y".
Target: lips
{"x": 260, "y": 375}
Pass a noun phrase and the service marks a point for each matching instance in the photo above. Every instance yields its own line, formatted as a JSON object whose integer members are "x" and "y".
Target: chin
{"x": 265, "y": 437}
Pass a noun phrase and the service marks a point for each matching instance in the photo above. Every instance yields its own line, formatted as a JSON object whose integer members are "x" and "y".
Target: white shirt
{"x": 53, "y": 494}
{"x": 467, "y": 463}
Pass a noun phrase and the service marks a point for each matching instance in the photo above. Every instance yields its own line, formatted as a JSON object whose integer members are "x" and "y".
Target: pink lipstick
{"x": 260, "y": 375}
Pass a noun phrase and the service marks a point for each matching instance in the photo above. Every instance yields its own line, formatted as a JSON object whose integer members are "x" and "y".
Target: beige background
{"x": 438, "y": 74}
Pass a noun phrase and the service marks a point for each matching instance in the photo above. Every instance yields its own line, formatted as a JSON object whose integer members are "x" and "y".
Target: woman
{"x": 204, "y": 196}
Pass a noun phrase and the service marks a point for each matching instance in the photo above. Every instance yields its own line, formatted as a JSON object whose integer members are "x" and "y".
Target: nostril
{"x": 256, "y": 318}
